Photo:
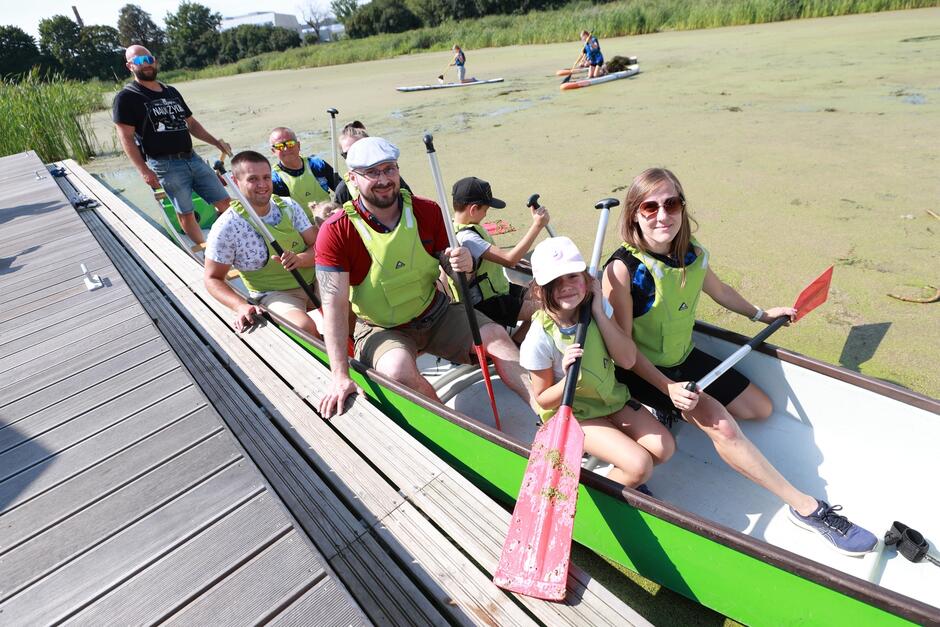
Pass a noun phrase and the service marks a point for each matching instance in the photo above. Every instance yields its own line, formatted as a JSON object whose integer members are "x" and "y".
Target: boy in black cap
{"x": 493, "y": 294}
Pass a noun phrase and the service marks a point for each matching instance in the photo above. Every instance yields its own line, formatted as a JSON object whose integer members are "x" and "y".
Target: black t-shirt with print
{"x": 158, "y": 118}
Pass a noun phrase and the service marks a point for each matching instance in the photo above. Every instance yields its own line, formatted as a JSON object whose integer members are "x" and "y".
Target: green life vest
{"x": 598, "y": 392}
{"x": 352, "y": 187}
{"x": 490, "y": 278}
{"x": 304, "y": 188}
{"x": 401, "y": 280}
{"x": 272, "y": 277}
{"x": 664, "y": 333}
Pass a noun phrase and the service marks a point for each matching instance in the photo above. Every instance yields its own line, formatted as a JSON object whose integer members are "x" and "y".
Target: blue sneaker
{"x": 845, "y": 536}
{"x": 644, "y": 489}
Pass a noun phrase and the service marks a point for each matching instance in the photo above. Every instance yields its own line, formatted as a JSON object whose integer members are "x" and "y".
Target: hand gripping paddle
{"x": 534, "y": 203}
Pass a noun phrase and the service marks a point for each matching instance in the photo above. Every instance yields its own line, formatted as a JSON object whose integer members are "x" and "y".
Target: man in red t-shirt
{"x": 382, "y": 255}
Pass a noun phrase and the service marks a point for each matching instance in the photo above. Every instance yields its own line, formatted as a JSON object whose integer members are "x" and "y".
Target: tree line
{"x": 191, "y": 40}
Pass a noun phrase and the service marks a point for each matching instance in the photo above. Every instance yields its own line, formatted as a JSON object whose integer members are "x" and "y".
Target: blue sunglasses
{"x": 145, "y": 58}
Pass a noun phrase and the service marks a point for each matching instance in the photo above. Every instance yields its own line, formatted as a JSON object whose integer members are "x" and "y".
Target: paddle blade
{"x": 814, "y": 295}
{"x": 537, "y": 550}
{"x": 484, "y": 366}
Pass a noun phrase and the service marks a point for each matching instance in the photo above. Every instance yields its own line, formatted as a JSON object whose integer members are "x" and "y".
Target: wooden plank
{"x": 93, "y": 398}
{"x": 391, "y": 597}
{"x": 46, "y": 280}
{"x": 41, "y": 293}
{"x": 93, "y": 525}
{"x": 45, "y": 372}
{"x": 93, "y": 478}
{"x": 23, "y": 271}
{"x": 186, "y": 572}
{"x": 60, "y": 239}
{"x": 258, "y": 589}
{"x": 21, "y": 347}
{"x": 100, "y": 302}
{"x": 106, "y": 565}
{"x": 75, "y": 293}
{"x": 59, "y": 349}
{"x": 321, "y": 605}
{"x": 96, "y": 375}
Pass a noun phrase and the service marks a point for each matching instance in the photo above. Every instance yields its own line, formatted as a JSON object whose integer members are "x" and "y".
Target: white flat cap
{"x": 369, "y": 151}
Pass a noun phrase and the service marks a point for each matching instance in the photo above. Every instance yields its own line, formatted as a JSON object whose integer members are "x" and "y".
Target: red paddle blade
{"x": 536, "y": 553}
{"x": 814, "y": 295}
{"x": 484, "y": 366}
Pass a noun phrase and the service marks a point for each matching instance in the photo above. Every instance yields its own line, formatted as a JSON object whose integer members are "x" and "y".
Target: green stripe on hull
{"x": 708, "y": 572}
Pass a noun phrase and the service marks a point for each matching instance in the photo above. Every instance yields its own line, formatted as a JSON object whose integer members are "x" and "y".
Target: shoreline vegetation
{"x": 617, "y": 19}
{"x": 50, "y": 116}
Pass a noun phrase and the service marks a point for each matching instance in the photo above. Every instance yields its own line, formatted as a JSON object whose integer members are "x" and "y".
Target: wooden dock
{"x": 411, "y": 540}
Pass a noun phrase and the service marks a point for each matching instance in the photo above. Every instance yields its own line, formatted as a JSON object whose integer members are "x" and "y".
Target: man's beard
{"x": 382, "y": 203}
{"x": 146, "y": 73}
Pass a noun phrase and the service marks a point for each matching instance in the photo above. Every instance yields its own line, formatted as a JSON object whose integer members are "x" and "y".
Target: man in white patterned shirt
{"x": 234, "y": 241}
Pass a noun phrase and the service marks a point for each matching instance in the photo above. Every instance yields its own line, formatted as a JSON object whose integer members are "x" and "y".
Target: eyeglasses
{"x": 650, "y": 208}
{"x": 284, "y": 145}
{"x": 373, "y": 174}
{"x": 142, "y": 59}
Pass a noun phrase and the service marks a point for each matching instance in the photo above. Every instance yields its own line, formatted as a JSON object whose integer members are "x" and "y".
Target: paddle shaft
{"x": 333, "y": 113}
{"x": 534, "y": 203}
{"x": 737, "y": 355}
{"x": 461, "y": 277}
{"x": 571, "y": 380}
{"x": 268, "y": 237}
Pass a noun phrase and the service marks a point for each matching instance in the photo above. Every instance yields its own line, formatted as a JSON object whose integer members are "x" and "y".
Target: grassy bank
{"x": 48, "y": 117}
{"x": 633, "y": 17}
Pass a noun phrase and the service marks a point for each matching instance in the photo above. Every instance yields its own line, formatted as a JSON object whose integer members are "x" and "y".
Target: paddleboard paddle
{"x": 534, "y": 203}
{"x": 262, "y": 228}
{"x": 333, "y": 148}
{"x": 461, "y": 277}
{"x": 812, "y": 296}
{"x": 537, "y": 550}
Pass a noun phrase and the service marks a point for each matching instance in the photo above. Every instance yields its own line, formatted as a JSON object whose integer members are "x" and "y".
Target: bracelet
{"x": 757, "y": 315}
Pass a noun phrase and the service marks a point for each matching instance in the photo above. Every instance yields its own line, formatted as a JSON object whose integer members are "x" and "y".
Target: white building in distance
{"x": 262, "y": 18}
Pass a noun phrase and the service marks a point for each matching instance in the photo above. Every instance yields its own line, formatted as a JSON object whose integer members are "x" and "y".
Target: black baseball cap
{"x": 472, "y": 190}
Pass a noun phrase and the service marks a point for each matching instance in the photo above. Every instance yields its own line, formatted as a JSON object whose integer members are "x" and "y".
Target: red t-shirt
{"x": 340, "y": 247}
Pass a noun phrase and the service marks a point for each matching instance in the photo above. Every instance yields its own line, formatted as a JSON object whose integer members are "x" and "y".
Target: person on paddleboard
{"x": 381, "y": 256}
{"x": 235, "y": 242}
{"x": 653, "y": 281}
{"x": 591, "y": 55}
{"x": 351, "y": 133}
{"x": 616, "y": 430}
{"x": 306, "y": 181}
{"x": 460, "y": 63}
{"x": 155, "y": 128}
{"x": 502, "y": 301}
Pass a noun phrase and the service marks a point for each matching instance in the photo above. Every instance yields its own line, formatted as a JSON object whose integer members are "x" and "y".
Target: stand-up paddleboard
{"x": 632, "y": 70}
{"x": 448, "y": 85}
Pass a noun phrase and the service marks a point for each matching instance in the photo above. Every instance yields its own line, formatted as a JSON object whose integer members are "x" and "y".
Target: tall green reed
{"x": 48, "y": 116}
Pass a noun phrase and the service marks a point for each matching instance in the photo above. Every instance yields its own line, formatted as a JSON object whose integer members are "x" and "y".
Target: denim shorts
{"x": 181, "y": 177}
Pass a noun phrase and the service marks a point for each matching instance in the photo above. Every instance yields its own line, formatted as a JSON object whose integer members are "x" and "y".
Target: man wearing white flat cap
{"x": 382, "y": 255}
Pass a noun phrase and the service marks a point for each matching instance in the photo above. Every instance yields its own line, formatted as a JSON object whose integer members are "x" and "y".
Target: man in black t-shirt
{"x": 154, "y": 126}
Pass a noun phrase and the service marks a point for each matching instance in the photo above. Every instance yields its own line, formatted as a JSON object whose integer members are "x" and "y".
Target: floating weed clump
{"x": 48, "y": 116}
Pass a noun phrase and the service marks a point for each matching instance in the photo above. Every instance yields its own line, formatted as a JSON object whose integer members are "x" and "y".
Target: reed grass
{"x": 632, "y": 17}
{"x": 48, "y": 116}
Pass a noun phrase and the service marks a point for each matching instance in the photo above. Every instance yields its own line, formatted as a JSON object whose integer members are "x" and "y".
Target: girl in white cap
{"x": 616, "y": 430}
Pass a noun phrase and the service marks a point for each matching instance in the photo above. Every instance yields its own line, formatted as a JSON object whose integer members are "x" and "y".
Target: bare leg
{"x": 398, "y": 364}
{"x": 751, "y": 404}
{"x": 191, "y": 227}
{"x": 505, "y": 355}
{"x": 529, "y": 307}
{"x": 633, "y": 464}
{"x": 741, "y": 454}
{"x": 640, "y": 426}
{"x": 302, "y": 320}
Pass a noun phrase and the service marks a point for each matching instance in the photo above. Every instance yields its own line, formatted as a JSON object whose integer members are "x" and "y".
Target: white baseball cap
{"x": 555, "y": 257}
{"x": 369, "y": 151}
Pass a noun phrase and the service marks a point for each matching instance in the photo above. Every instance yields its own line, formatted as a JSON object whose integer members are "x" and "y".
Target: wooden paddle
{"x": 812, "y": 296}
{"x": 461, "y": 277}
{"x": 537, "y": 549}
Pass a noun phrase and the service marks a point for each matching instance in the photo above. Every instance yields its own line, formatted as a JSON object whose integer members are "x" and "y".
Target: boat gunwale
{"x": 883, "y": 598}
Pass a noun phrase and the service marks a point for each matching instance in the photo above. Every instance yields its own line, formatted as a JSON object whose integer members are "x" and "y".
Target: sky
{"x": 27, "y": 14}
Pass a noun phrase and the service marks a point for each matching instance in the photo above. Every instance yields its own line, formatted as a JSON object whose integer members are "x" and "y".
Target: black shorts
{"x": 698, "y": 364}
{"x": 504, "y": 309}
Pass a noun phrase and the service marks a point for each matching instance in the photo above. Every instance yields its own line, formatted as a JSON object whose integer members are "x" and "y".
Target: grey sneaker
{"x": 845, "y": 536}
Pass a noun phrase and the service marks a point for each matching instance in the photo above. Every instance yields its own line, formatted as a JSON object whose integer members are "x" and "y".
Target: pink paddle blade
{"x": 814, "y": 294}
{"x": 536, "y": 554}
{"x": 499, "y": 227}
{"x": 484, "y": 366}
